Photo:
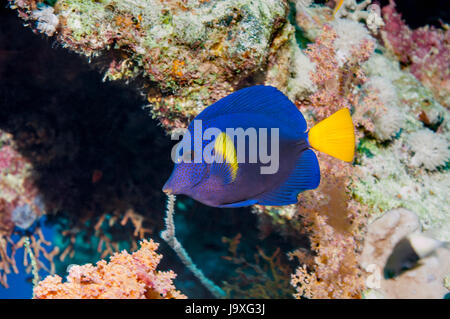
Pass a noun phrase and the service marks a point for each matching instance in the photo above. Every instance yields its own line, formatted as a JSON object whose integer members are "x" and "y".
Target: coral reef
{"x": 185, "y": 55}
{"x": 20, "y": 208}
{"x": 364, "y": 10}
{"x": 426, "y": 52}
{"x": 265, "y": 277}
{"x": 335, "y": 224}
{"x": 124, "y": 276}
{"x": 395, "y": 115}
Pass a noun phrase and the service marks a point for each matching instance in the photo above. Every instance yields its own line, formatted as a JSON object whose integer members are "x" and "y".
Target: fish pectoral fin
{"x": 225, "y": 159}
{"x": 305, "y": 175}
{"x": 244, "y": 203}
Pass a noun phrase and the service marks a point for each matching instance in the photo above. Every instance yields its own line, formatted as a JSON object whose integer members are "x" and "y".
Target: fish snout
{"x": 167, "y": 188}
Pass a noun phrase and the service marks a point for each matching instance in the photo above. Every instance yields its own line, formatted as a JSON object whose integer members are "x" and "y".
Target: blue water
{"x": 20, "y": 286}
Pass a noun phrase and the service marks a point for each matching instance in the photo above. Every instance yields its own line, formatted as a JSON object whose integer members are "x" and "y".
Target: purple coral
{"x": 425, "y": 50}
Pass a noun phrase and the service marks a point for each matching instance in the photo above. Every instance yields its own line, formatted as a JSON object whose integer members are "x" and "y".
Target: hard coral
{"x": 382, "y": 107}
{"x": 126, "y": 275}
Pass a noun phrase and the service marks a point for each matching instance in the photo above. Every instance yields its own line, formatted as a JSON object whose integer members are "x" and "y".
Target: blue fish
{"x": 229, "y": 181}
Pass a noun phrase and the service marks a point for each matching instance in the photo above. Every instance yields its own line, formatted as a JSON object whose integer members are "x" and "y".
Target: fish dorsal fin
{"x": 305, "y": 175}
{"x": 260, "y": 99}
{"x": 225, "y": 158}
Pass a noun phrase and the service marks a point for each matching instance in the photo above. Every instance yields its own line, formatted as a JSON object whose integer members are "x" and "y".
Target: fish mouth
{"x": 169, "y": 189}
{"x": 166, "y": 189}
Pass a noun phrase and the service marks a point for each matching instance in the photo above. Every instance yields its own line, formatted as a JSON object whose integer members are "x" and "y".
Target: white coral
{"x": 301, "y": 85}
{"x": 388, "y": 122}
{"x": 389, "y": 119}
{"x": 374, "y": 20}
{"x": 47, "y": 21}
{"x": 379, "y": 65}
{"x": 364, "y": 10}
{"x": 383, "y": 88}
{"x": 350, "y": 35}
{"x": 430, "y": 150}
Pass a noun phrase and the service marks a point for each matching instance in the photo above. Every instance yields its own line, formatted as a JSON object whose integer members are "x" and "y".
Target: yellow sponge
{"x": 335, "y": 136}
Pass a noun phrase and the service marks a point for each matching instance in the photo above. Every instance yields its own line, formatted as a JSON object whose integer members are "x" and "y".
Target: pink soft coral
{"x": 334, "y": 220}
{"x": 132, "y": 276}
{"x": 425, "y": 50}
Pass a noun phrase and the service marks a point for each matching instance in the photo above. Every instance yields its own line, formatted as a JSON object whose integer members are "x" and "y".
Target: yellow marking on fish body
{"x": 226, "y": 152}
{"x": 338, "y": 6}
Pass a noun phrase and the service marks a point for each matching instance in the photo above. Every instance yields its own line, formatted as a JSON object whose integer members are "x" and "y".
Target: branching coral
{"x": 334, "y": 272}
{"x": 101, "y": 227}
{"x": 335, "y": 223}
{"x": 126, "y": 275}
{"x": 20, "y": 207}
{"x": 266, "y": 277}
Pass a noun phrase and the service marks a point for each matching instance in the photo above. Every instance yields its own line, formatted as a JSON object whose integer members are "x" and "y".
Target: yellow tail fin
{"x": 334, "y": 136}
